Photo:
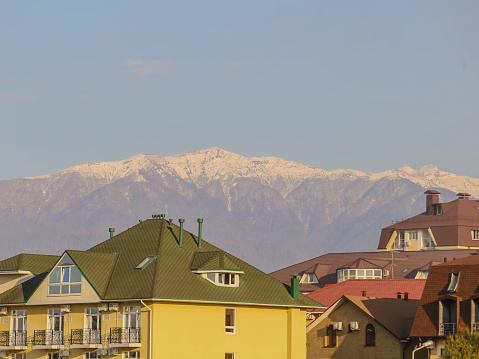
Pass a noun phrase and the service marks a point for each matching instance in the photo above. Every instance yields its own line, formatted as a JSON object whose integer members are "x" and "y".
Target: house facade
{"x": 153, "y": 291}
{"x": 450, "y": 301}
{"x": 363, "y": 327}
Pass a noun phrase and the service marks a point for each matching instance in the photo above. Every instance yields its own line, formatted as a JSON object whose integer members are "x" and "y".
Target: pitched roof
{"x": 378, "y": 288}
{"x": 396, "y": 315}
{"x": 406, "y": 264}
{"x": 35, "y": 263}
{"x": 110, "y": 269}
{"x": 22, "y": 292}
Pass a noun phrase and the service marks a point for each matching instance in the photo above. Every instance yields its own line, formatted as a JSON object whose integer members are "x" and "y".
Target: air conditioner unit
{"x": 102, "y": 351}
{"x": 3, "y": 310}
{"x": 113, "y": 351}
{"x": 386, "y": 272}
{"x": 3, "y": 354}
{"x": 65, "y": 308}
{"x": 354, "y": 325}
{"x": 310, "y": 316}
{"x": 338, "y": 325}
{"x": 64, "y": 352}
{"x": 408, "y": 244}
{"x": 103, "y": 307}
{"x": 114, "y": 307}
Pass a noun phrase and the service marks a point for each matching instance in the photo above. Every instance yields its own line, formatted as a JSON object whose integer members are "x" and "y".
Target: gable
{"x": 65, "y": 282}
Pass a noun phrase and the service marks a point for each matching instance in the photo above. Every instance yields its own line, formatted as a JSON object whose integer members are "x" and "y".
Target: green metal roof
{"x": 35, "y": 263}
{"x": 110, "y": 269}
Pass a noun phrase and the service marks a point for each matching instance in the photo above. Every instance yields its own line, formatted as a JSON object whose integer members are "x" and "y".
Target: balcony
{"x": 85, "y": 338}
{"x": 474, "y": 327}
{"x": 13, "y": 340}
{"x": 47, "y": 339}
{"x": 446, "y": 329}
{"x": 125, "y": 338}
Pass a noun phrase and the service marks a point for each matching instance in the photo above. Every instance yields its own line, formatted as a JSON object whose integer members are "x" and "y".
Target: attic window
{"x": 453, "y": 282}
{"x": 309, "y": 278}
{"x": 437, "y": 210}
{"x": 144, "y": 263}
{"x": 65, "y": 279}
{"x": 222, "y": 279}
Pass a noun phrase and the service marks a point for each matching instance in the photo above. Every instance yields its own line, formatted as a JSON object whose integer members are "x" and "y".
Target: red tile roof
{"x": 379, "y": 288}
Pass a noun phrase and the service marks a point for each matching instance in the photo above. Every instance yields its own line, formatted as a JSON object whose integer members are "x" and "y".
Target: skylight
{"x": 145, "y": 262}
{"x": 453, "y": 282}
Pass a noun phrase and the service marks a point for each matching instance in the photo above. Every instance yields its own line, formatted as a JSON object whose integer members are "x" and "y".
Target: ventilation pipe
{"x": 111, "y": 230}
{"x": 295, "y": 286}
{"x": 200, "y": 222}
{"x": 169, "y": 223}
{"x": 181, "y": 220}
{"x": 398, "y": 295}
{"x": 406, "y": 296}
{"x": 363, "y": 293}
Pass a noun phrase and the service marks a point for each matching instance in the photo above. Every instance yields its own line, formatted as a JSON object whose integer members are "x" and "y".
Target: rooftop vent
{"x": 463, "y": 195}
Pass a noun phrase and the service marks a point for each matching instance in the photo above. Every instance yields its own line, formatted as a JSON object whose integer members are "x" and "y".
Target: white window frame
{"x": 132, "y": 354}
{"x": 230, "y": 329}
{"x": 53, "y": 315}
{"x": 366, "y": 273}
{"x": 19, "y": 316}
{"x": 54, "y": 355}
{"x": 132, "y": 313}
{"x": 475, "y": 234}
{"x": 309, "y": 278}
{"x": 413, "y": 235}
{"x": 64, "y": 285}
{"x": 88, "y": 355}
{"x": 220, "y": 277}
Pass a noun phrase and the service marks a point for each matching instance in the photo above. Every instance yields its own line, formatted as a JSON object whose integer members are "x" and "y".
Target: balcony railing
{"x": 474, "y": 327}
{"x": 446, "y": 329}
{"x": 85, "y": 336}
{"x": 125, "y": 335}
{"x": 48, "y": 337}
{"x": 13, "y": 338}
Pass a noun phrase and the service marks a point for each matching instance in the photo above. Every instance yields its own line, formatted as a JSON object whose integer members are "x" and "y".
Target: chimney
{"x": 295, "y": 286}
{"x": 406, "y": 296}
{"x": 463, "y": 195}
{"x": 432, "y": 197}
{"x": 363, "y": 293}
{"x": 200, "y": 222}
{"x": 445, "y": 259}
{"x": 398, "y": 295}
{"x": 111, "y": 230}
{"x": 181, "y": 220}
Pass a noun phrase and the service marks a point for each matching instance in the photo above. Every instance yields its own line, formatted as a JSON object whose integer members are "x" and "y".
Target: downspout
{"x": 151, "y": 327}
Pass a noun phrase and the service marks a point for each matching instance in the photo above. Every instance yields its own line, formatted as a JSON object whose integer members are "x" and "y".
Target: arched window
{"x": 370, "y": 335}
{"x": 330, "y": 336}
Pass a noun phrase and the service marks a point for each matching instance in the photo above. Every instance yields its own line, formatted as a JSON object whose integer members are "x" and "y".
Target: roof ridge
{"x": 117, "y": 256}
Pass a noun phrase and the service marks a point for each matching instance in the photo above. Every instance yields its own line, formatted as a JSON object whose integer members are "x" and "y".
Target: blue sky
{"x": 368, "y": 85}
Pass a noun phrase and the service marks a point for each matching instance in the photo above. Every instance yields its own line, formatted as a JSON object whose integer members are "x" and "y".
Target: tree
{"x": 462, "y": 345}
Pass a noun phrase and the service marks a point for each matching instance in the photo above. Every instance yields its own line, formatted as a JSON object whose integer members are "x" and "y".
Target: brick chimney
{"x": 463, "y": 195}
{"x": 432, "y": 197}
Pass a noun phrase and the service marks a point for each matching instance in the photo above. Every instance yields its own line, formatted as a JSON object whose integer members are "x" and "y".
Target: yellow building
{"x": 153, "y": 291}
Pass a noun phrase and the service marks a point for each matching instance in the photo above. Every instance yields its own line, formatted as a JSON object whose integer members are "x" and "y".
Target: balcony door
{"x": 55, "y": 326}
{"x": 132, "y": 323}
{"x": 93, "y": 326}
{"x": 19, "y": 326}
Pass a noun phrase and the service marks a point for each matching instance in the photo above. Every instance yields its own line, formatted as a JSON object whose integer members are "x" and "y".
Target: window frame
{"x": 61, "y": 284}
{"x": 230, "y": 328}
{"x": 475, "y": 234}
{"x": 370, "y": 335}
{"x": 331, "y": 337}
{"x": 453, "y": 282}
{"x": 220, "y": 278}
{"x": 230, "y": 355}
{"x": 129, "y": 354}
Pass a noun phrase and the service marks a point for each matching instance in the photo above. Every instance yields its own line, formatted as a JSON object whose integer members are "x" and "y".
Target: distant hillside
{"x": 268, "y": 211}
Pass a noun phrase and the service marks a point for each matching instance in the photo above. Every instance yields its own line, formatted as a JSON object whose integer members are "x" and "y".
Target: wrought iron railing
{"x": 125, "y": 335}
{"x": 446, "y": 329}
{"x": 474, "y": 327}
{"x": 13, "y": 338}
{"x": 48, "y": 337}
{"x": 85, "y": 336}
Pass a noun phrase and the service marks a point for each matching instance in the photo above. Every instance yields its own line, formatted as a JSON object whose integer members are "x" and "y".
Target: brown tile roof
{"x": 406, "y": 264}
{"x": 426, "y": 322}
{"x": 452, "y": 228}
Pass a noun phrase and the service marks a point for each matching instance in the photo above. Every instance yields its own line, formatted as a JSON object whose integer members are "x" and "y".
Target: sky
{"x": 366, "y": 85}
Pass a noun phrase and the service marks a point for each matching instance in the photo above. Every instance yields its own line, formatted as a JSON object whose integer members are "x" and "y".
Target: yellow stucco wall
{"x": 187, "y": 330}
{"x": 351, "y": 344}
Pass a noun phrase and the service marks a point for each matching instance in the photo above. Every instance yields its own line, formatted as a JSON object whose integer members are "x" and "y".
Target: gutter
{"x": 150, "y": 329}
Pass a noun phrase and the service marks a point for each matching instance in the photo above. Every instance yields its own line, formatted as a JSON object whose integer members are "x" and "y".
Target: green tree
{"x": 463, "y": 345}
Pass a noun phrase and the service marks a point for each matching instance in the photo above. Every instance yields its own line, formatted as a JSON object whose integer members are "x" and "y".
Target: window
{"x": 53, "y": 356}
{"x": 92, "y": 326}
{"x": 475, "y": 315}
{"x": 19, "y": 356}
{"x": 145, "y": 262}
{"x": 413, "y": 235}
{"x": 422, "y": 274}
{"x": 55, "y": 320}
{"x": 222, "y": 279}
{"x": 65, "y": 279}
{"x": 475, "y": 234}
{"x": 229, "y": 355}
{"x": 399, "y": 242}
{"x": 453, "y": 282}
{"x": 132, "y": 317}
{"x": 330, "y": 339}
{"x": 92, "y": 355}
{"x": 437, "y": 210}
{"x": 309, "y": 278}
{"x": 230, "y": 321}
{"x": 370, "y": 335}
{"x": 135, "y": 354}
{"x": 345, "y": 274}
{"x": 19, "y": 324}
{"x": 448, "y": 317}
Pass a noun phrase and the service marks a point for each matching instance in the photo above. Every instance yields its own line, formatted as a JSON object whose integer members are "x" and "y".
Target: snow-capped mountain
{"x": 269, "y": 211}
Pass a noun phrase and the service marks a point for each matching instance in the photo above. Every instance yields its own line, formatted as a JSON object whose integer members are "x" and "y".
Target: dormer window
{"x": 437, "y": 209}
{"x": 453, "y": 282}
{"x": 309, "y": 278}
{"x": 222, "y": 279}
{"x": 65, "y": 279}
